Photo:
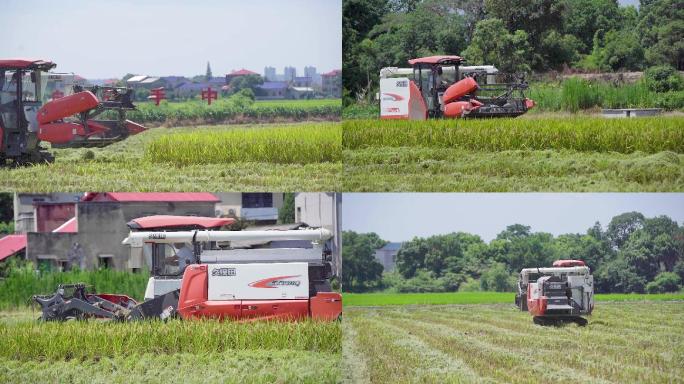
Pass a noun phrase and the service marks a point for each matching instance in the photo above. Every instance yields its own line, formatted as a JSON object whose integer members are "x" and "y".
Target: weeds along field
{"x": 624, "y": 342}
{"x": 282, "y": 157}
{"x": 162, "y": 352}
{"x": 569, "y": 153}
{"x": 235, "y": 109}
{"x": 21, "y": 283}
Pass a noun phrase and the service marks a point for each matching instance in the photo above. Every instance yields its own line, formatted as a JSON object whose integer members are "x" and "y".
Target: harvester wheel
{"x": 580, "y": 321}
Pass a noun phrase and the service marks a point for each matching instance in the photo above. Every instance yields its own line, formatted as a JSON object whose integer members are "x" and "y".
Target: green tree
{"x": 661, "y": 31}
{"x": 250, "y": 82}
{"x": 663, "y": 78}
{"x": 617, "y": 276}
{"x": 361, "y": 271}
{"x": 621, "y": 226}
{"x": 582, "y": 18}
{"x": 492, "y": 44}
{"x": 286, "y": 213}
{"x": 497, "y": 278}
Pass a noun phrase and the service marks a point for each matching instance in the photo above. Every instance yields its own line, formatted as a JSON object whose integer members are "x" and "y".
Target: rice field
{"x": 130, "y": 165}
{"x": 235, "y": 109}
{"x": 569, "y": 154}
{"x": 311, "y": 143}
{"x": 176, "y": 351}
{"x": 623, "y": 342}
{"x": 584, "y": 134}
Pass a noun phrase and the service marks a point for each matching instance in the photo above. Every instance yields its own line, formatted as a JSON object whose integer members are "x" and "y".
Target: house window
{"x": 257, "y": 200}
{"x": 299, "y": 215}
{"x": 105, "y": 262}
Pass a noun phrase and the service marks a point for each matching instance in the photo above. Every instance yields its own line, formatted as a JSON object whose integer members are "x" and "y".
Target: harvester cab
{"x": 67, "y": 121}
{"x": 199, "y": 273}
{"x": 562, "y": 293}
{"x": 440, "y": 87}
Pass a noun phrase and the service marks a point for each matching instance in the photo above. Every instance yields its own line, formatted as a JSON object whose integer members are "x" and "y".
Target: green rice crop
{"x": 302, "y": 144}
{"x": 17, "y": 288}
{"x": 648, "y": 135}
{"x": 97, "y": 339}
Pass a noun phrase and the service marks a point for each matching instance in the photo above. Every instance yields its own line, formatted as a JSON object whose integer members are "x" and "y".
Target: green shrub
{"x": 664, "y": 282}
{"x": 663, "y": 78}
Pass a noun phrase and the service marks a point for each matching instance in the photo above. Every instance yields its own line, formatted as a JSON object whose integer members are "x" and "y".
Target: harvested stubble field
{"x": 573, "y": 153}
{"x": 496, "y": 343}
{"x": 175, "y": 351}
{"x": 285, "y": 157}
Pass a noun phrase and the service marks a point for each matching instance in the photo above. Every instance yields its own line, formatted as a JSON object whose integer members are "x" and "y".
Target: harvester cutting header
{"x": 440, "y": 87}
{"x": 69, "y": 121}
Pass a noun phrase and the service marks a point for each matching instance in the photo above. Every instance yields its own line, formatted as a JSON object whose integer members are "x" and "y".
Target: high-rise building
{"x": 270, "y": 74}
{"x": 310, "y": 72}
{"x": 290, "y": 73}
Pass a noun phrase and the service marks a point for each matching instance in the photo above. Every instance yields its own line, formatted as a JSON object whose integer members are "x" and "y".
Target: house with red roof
{"x": 240, "y": 72}
{"x": 331, "y": 83}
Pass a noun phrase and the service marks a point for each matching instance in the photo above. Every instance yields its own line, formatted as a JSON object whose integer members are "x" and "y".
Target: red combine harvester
{"x": 197, "y": 273}
{"x": 69, "y": 121}
{"x": 562, "y": 293}
{"x": 440, "y": 87}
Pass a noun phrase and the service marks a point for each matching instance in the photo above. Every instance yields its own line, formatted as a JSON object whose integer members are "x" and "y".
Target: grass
{"x": 93, "y": 351}
{"x": 124, "y": 166}
{"x": 315, "y": 143}
{"x": 623, "y": 342}
{"x": 21, "y": 284}
{"x": 505, "y": 155}
{"x": 383, "y": 299}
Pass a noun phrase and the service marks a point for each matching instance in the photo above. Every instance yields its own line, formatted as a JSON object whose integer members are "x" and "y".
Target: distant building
{"x": 31, "y": 210}
{"x": 315, "y": 77}
{"x": 270, "y": 74}
{"x": 332, "y": 83}
{"x": 302, "y": 92}
{"x": 323, "y": 210}
{"x": 387, "y": 256}
{"x": 260, "y": 208}
{"x": 273, "y": 90}
{"x": 241, "y": 72}
{"x": 302, "y": 81}
{"x": 94, "y": 239}
{"x": 290, "y": 74}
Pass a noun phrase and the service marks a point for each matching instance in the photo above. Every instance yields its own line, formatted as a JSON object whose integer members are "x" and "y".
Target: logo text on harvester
{"x": 158, "y": 236}
{"x": 223, "y": 272}
{"x": 277, "y": 281}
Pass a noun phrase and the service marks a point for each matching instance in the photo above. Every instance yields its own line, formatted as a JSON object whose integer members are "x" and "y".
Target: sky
{"x": 104, "y": 39}
{"x": 402, "y": 216}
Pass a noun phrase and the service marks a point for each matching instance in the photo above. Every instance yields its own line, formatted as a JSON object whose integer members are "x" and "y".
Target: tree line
{"x": 513, "y": 35}
{"x": 632, "y": 253}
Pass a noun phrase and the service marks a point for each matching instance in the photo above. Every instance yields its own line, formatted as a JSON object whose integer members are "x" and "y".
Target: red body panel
{"x": 25, "y": 63}
{"x": 434, "y": 59}
{"x": 569, "y": 263}
{"x": 459, "y": 89}
{"x": 275, "y": 309}
{"x": 121, "y": 300}
{"x": 67, "y": 106}
{"x": 536, "y": 306}
{"x": 326, "y": 306}
{"x": 460, "y": 108}
{"x": 134, "y": 128}
{"x": 171, "y": 221}
{"x": 60, "y": 133}
{"x": 193, "y": 303}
